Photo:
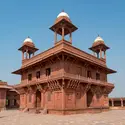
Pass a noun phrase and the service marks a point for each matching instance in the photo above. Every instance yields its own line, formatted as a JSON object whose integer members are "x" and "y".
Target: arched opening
{"x": 89, "y": 98}
{"x": 38, "y": 99}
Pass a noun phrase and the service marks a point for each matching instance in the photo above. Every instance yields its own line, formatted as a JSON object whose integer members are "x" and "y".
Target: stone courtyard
{"x": 14, "y": 117}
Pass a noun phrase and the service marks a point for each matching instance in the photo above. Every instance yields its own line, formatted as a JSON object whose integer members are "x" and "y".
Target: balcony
{"x": 65, "y": 76}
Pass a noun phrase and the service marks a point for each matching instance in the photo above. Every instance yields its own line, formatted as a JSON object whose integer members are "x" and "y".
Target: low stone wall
{"x": 117, "y": 108}
{"x": 77, "y": 111}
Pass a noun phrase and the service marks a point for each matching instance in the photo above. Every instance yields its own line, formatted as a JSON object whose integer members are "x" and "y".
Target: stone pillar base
{"x": 2, "y": 109}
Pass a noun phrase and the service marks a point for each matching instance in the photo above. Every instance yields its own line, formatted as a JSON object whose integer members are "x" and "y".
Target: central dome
{"x": 63, "y": 14}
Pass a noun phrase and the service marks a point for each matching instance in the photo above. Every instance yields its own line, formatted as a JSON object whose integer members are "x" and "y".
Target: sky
{"x": 19, "y": 19}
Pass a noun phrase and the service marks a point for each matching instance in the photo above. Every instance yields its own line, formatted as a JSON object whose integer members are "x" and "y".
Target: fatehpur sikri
{"x": 63, "y": 79}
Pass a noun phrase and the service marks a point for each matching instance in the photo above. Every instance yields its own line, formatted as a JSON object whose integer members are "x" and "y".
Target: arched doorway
{"x": 38, "y": 99}
{"x": 89, "y": 98}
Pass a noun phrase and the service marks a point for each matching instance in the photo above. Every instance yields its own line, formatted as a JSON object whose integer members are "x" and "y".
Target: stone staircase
{"x": 44, "y": 111}
{"x": 36, "y": 111}
{"x": 26, "y": 110}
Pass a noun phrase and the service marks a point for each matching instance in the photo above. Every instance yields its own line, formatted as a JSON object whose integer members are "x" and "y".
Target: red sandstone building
{"x": 3, "y": 90}
{"x": 117, "y": 103}
{"x": 64, "y": 79}
{"x": 9, "y": 97}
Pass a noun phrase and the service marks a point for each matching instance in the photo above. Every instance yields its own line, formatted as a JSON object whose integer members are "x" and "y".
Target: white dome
{"x": 63, "y": 14}
{"x": 28, "y": 40}
{"x": 98, "y": 39}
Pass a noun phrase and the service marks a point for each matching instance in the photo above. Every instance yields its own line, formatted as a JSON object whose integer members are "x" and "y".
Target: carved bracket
{"x": 54, "y": 85}
{"x": 85, "y": 88}
{"x": 73, "y": 84}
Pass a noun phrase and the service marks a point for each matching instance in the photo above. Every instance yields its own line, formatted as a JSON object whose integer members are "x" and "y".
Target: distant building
{"x": 64, "y": 79}
{"x": 12, "y": 99}
{"x": 117, "y": 103}
{"x": 8, "y": 95}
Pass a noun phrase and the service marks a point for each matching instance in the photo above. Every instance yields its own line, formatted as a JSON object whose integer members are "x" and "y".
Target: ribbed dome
{"x": 63, "y": 14}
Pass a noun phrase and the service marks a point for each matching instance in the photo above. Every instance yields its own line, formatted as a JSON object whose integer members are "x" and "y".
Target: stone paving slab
{"x": 15, "y": 117}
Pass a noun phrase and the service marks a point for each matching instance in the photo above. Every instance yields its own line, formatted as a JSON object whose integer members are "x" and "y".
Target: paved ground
{"x": 114, "y": 117}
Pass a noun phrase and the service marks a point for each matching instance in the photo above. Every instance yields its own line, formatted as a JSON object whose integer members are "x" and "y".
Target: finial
{"x": 28, "y": 37}
{"x": 62, "y": 10}
{"x": 98, "y": 35}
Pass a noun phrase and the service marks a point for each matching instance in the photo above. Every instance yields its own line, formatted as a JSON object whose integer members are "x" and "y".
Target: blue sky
{"x": 19, "y": 19}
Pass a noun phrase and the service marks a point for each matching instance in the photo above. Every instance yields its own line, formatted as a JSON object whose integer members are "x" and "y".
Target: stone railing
{"x": 84, "y": 55}
{"x": 85, "y": 79}
{"x": 66, "y": 76}
{"x": 41, "y": 56}
{"x": 67, "y": 48}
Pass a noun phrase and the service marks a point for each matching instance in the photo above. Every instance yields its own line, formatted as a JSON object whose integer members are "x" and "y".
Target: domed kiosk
{"x": 98, "y": 47}
{"x": 28, "y": 49}
{"x": 63, "y": 26}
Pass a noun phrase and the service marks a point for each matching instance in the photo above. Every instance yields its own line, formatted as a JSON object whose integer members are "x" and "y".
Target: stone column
{"x": 26, "y": 54}
{"x": 104, "y": 54}
{"x": 22, "y": 55}
{"x": 70, "y": 35}
{"x": 63, "y": 95}
{"x": 112, "y": 103}
{"x": 100, "y": 53}
{"x": 55, "y": 37}
{"x": 121, "y": 102}
{"x": 25, "y": 100}
{"x": 62, "y": 33}
{"x": 34, "y": 99}
{"x": 43, "y": 99}
{"x": 20, "y": 101}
